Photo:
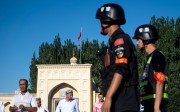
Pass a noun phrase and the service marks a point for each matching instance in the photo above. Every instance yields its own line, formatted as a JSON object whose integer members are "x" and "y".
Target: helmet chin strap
{"x": 102, "y": 32}
{"x": 146, "y": 43}
{"x": 143, "y": 47}
{"x": 103, "y": 28}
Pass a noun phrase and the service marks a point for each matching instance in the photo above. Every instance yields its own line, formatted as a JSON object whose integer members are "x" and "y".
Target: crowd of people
{"x": 26, "y": 102}
{"x": 120, "y": 72}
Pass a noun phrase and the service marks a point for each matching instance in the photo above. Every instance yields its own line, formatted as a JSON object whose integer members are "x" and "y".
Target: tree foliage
{"x": 169, "y": 43}
{"x": 33, "y": 72}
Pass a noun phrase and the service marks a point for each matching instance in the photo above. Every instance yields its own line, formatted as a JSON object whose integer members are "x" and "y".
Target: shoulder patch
{"x": 119, "y": 41}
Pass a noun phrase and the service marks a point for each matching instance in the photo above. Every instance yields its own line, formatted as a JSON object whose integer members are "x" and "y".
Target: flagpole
{"x": 80, "y": 53}
{"x": 80, "y": 45}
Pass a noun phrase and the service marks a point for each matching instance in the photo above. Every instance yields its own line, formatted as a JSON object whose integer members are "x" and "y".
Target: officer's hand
{"x": 15, "y": 107}
{"x": 106, "y": 105}
{"x": 21, "y": 107}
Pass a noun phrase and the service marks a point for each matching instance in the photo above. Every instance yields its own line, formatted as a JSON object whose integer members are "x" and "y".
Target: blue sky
{"x": 25, "y": 24}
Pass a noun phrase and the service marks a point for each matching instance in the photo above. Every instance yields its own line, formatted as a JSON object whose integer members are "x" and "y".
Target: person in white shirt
{"x": 23, "y": 101}
{"x": 2, "y": 107}
{"x": 40, "y": 108}
{"x": 68, "y": 104}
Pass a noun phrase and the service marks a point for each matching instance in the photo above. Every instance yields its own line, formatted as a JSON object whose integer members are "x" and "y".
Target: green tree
{"x": 89, "y": 55}
{"x": 33, "y": 73}
{"x": 56, "y": 50}
{"x": 169, "y": 44}
{"x": 67, "y": 51}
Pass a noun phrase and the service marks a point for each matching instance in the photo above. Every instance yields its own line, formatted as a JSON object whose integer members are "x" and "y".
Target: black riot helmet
{"x": 147, "y": 33}
{"x": 111, "y": 14}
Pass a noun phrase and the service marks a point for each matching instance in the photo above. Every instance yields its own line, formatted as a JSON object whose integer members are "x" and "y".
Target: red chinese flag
{"x": 79, "y": 37}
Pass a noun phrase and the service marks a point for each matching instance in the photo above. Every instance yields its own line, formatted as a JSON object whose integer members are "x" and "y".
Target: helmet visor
{"x": 102, "y": 16}
{"x": 143, "y": 36}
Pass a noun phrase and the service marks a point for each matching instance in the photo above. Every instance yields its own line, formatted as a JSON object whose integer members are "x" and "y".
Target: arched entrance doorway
{"x": 54, "y": 80}
{"x": 58, "y": 93}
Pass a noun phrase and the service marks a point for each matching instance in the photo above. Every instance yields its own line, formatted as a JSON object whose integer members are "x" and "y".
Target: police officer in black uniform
{"x": 120, "y": 75}
{"x": 154, "y": 78}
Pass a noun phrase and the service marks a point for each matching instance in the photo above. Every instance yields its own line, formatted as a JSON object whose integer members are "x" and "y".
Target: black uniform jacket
{"x": 123, "y": 61}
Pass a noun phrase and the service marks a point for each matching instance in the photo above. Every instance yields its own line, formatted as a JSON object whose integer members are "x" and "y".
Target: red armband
{"x": 159, "y": 76}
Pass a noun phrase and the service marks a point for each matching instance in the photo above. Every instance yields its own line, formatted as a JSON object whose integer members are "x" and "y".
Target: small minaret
{"x": 73, "y": 60}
